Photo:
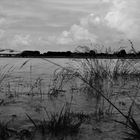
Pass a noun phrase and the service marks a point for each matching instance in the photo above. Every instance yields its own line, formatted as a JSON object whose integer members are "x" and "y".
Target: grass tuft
{"x": 133, "y": 129}
{"x": 62, "y": 123}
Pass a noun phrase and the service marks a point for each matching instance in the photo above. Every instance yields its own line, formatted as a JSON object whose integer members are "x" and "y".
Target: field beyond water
{"x": 86, "y": 99}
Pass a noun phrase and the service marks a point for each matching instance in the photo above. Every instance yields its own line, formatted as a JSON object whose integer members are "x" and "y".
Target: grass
{"x": 4, "y": 132}
{"x": 62, "y": 123}
{"x": 96, "y": 78}
{"x": 60, "y": 78}
{"x": 133, "y": 130}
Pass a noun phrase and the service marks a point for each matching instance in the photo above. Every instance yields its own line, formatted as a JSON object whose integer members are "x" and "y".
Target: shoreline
{"x": 76, "y": 57}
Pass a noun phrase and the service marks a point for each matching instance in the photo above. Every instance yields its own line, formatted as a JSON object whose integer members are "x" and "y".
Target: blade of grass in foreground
{"x": 31, "y": 120}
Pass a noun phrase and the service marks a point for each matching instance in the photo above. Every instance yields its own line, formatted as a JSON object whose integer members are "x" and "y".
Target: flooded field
{"x": 31, "y": 90}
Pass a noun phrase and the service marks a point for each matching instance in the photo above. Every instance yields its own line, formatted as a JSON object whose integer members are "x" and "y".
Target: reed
{"x": 62, "y": 123}
{"x": 133, "y": 129}
{"x": 4, "y": 132}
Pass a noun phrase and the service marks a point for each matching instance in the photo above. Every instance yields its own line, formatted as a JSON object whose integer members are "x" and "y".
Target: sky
{"x": 61, "y": 25}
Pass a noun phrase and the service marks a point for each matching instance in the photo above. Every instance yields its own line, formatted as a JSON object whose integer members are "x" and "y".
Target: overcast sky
{"x": 63, "y": 24}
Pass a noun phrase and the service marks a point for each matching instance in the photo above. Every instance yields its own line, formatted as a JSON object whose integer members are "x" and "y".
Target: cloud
{"x": 22, "y": 40}
{"x": 28, "y": 41}
{"x": 90, "y": 20}
{"x": 121, "y": 20}
{"x": 105, "y": 1}
{"x": 2, "y": 21}
{"x": 64, "y": 38}
{"x": 80, "y": 32}
{"x": 2, "y": 32}
{"x": 76, "y": 34}
{"x": 124, "y": 17}
{"x": 41, "y": 24}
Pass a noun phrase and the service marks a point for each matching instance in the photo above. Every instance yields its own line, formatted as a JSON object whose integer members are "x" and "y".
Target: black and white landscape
{"x": 69, "y": 70}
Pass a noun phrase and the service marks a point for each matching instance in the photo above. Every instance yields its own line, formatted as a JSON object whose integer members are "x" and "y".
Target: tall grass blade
{"x": 33, "y": 122}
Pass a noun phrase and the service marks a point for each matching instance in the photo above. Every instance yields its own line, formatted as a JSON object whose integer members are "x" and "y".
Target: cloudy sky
{"x": 64, "y": 24}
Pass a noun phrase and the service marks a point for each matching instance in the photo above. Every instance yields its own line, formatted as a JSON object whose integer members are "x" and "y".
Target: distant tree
{"x": 68, "y": 53}
{"x": 49, "y": 53}
{"x": 121, "y": 53}
{"x": 29, "y": 53}
{"x": 92, "y": 52}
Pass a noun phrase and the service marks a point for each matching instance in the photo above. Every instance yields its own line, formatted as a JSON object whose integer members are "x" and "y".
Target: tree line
{"x": 91, "y": 53}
